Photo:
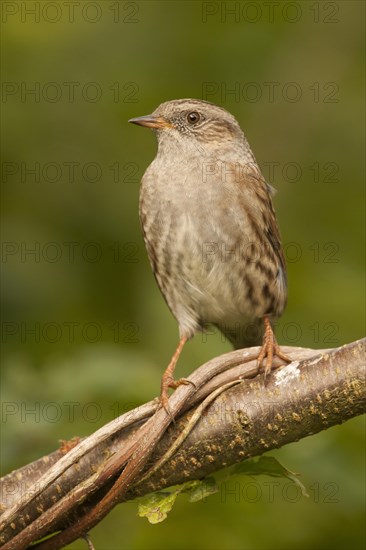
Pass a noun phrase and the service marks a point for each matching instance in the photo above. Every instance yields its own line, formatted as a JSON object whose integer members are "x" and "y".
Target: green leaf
{"x": 202, "y": 489}
{"x": 155, "y": 507}
{"x": 269, "y": 466}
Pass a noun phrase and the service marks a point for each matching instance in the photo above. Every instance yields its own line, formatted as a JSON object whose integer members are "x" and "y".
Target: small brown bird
{"x": 210, "y": 230}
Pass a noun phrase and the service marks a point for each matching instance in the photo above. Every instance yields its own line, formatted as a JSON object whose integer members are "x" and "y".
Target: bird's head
{"x": 193, "y": 122}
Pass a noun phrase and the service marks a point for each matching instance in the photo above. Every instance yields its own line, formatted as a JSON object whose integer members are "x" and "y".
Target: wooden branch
{"x": 317, "y": 390}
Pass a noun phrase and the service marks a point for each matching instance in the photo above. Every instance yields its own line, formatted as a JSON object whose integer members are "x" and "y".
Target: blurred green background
{"x": 85, "y": 332}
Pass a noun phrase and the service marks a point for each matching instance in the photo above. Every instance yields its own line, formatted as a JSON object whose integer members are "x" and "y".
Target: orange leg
{"x": 270, "y": 348}
{"x": 167, "y": 380}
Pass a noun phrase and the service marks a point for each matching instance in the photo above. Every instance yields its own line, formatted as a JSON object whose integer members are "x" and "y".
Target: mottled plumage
{"x": 209, "y": 225}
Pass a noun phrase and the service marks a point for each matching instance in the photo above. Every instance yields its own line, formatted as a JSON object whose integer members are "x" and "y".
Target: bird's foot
{"x": 270, "y": 349}
{"x": 169, "y": 382}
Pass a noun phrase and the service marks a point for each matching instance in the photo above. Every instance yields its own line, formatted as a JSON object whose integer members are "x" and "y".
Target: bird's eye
{"x": 193, "y": 117}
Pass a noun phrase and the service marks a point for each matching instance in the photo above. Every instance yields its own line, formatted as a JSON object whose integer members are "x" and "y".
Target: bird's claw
{"x": 269, "y": 350}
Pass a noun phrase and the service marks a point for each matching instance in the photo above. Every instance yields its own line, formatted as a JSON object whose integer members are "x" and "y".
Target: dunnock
{"x": 210, "y": 230}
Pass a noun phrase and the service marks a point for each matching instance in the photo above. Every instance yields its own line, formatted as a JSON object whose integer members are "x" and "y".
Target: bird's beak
{"x": 151, "y": 121}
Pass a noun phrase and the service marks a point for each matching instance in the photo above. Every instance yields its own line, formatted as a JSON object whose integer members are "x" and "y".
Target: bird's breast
{"x": 200, "y": 245}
